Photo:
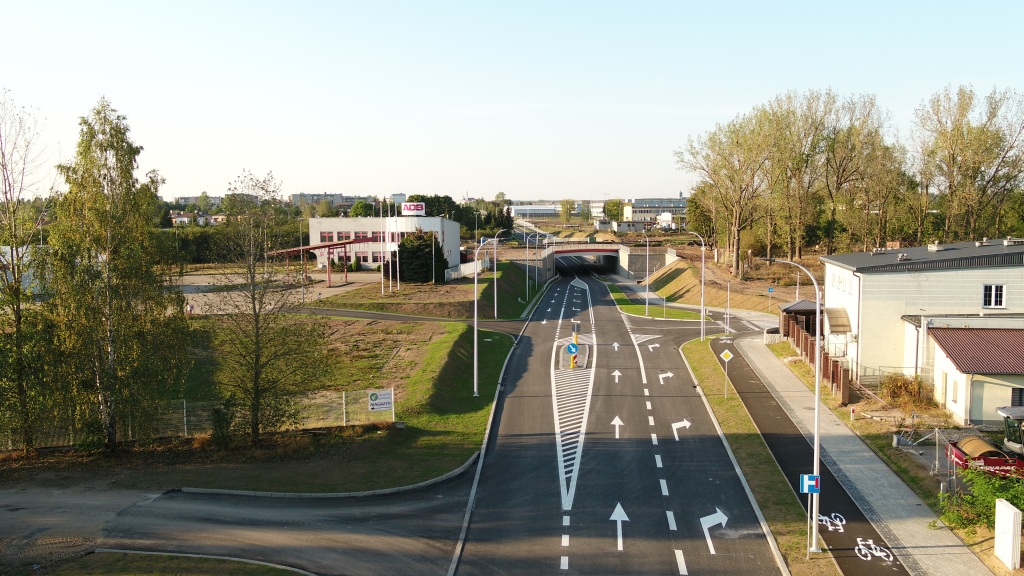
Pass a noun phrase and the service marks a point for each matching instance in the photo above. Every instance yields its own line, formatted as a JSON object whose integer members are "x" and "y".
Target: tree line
{"x": 819, "y": 170}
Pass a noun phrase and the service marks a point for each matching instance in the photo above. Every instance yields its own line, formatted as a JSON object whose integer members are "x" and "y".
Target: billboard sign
{"x": 414, "y": 209}
{"x": 380, "y": 400}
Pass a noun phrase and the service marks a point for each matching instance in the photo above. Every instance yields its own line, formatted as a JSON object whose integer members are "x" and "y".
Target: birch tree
{"x": 114, "y": 314}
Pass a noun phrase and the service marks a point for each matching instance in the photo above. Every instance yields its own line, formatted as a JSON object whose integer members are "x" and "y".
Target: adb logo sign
{"x": 414, "y": 209}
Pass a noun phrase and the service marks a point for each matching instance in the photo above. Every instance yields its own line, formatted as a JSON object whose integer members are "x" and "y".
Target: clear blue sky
{"x": 583, "y": 100}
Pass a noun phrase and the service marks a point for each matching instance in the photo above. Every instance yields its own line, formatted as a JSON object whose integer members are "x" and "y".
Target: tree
{"x": 974, "y": 157}
{"x": 325, "y": 209}
{"x": 730, "y": 161}
{"x": 438, "y": 205}
{"x": 361, "y": 209}
{"x": 585, "y": 214}
{"x": 421, "y": 256}
{"x": 566, "y": 208}
{"x": 20, "y": 223}
{"x": 613, "y": 210}
{"x": 116, "y": 322}
{"x": 272, "y": 358}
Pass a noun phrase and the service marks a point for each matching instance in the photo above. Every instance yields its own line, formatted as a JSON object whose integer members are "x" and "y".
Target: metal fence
{"x": 186, "y": 418}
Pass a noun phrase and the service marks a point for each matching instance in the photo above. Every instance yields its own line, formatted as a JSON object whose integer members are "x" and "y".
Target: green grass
{"x": 779, "y": 505}
{"x": 162, "y": 565}
{"x": 653, "y": 310}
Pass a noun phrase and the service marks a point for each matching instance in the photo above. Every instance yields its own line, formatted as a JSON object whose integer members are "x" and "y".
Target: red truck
{"x": 976, "y": 452}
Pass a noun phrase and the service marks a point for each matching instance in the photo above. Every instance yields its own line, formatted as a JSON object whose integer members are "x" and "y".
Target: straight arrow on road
{"x": 708, "y": 521}
{"x": 616, "y": 346}
{"x": 616, "y": 374}
{"x": 619, "y": 516}
{"x": 617, "y": 423}
{"x": 677, "y": 425}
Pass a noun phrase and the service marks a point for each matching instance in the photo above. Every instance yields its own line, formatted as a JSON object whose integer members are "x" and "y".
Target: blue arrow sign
{"x": 770, "y": 290}
{"x": 572, "y": 348}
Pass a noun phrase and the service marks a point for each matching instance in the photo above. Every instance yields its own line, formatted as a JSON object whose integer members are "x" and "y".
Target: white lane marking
{"x": 565, "y": 520}
{"x": 661, "y": 377}
{"x": 619, "y": 516}
{"x": 677, "y": 425}
{"x": 565, "y": 563}
{"x": 571, "y": 392}
{"x": 617, "y": 423}
{"x": 650, "y": 420}
{"x": 565, "y": 539}
{"x": 636, "y": 345}
{"x": 648, "y": 404}
{"x": 681, "y": 563}
{"x": 707, "y": 522}
{"x": 654, "y": 439}
{"x": 657, "y": 460}
{"x": 664, "y": 488}
{"x": 671, "y": 520}
{"x": 647, "y": 392}
{"x": 616, "y": 374}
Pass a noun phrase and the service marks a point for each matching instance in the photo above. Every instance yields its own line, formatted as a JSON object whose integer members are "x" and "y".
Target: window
{"x": 1016, "y": 396}
{"x": 953, "y": 392}
{"x": 344, "y": 236}
{"x": 326, "y": 237}
{"x": 992, "y": 296}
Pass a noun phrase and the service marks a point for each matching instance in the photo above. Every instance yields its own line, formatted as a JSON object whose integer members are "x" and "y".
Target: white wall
{"x": 447, "y": 230}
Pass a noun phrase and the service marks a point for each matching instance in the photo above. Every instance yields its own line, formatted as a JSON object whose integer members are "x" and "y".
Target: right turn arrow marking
{"x": 708, "y": 521}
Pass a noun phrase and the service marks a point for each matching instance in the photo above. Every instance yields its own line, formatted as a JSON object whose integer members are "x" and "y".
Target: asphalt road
{"x": 586, "y": 474}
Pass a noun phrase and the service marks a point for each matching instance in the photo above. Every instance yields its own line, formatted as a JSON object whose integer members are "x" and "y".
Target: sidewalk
{"x": 894, "y": 510}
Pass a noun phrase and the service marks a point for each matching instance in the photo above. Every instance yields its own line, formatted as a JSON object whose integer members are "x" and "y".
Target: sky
{"x": 539, "y": 100}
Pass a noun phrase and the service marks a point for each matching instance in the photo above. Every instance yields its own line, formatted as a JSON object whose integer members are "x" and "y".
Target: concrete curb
{"x": 381, "y": 492}
{"x": 231, "y": 558}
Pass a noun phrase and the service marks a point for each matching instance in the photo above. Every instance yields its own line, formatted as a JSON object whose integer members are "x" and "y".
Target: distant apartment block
{"x": 215, "y": 201}
{"x": 649, "y": 209}
{"x": 341, "y": 201}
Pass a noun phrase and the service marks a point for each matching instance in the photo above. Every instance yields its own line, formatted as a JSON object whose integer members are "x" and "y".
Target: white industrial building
{"x": 879, "y": 307}
{"x": 381, "y": 235}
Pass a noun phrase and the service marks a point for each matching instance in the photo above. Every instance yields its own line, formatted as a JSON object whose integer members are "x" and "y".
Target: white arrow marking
{"x": 661, "y": 377}
{"x": 617, "y": 423}
{"x": 677, "y": 425}
{"x": 616, "y": 374}
{"x": 616, "y": 346}
{"x": 708, "y": 521}
{"x": 575, "y": 309}
{"x": 544, "y": 321}
{"x": 619, "y": 515}
{"x": 651, "y": 347}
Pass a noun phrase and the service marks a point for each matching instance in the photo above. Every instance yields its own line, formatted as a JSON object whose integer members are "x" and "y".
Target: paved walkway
{"x": 894, "y": 510}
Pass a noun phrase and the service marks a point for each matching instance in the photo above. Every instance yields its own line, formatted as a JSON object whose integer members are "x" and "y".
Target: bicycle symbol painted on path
{"x": 834, "y": 523}
{"x": 867, "y": 549}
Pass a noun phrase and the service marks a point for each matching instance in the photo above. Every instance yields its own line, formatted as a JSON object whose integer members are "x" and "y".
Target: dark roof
{"x": 800, "y": 306}
{"x": 983, "y": 350}
{"x": 993, "y": 254}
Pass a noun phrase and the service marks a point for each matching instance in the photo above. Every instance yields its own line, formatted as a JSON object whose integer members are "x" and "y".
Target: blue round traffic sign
{"x": 572, "y": 348}
{"x": 770, "y": 290}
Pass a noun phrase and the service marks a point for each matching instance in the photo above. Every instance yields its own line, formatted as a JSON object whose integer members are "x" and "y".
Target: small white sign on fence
{"x": 1007, "y": 546}
{"x": 380, "y": 400}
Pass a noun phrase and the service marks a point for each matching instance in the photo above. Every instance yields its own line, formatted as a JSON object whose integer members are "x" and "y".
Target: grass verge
{"x": 779, "y": 505}
{"x": 646, "y": 310}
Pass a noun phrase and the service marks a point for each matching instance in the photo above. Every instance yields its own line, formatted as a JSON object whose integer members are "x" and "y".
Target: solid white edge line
{"x": 779, "y": 560}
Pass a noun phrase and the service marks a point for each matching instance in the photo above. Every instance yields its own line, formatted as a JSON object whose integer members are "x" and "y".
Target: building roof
{"x": 990, "y": 254}
{"x": 982, "y": 350}
{"x": 800, "y": 306}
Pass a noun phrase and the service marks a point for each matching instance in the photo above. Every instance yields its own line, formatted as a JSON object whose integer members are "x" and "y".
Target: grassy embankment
{"x": 779, "y": 505}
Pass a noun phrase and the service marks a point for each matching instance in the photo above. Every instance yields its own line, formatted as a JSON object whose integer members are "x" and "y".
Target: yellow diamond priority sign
{"x": 725, "y": 355}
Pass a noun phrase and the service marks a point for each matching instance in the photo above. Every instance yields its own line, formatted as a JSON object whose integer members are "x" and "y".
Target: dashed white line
{"x": 654, "y": 439}
{"x": 681, "y": 563}
{"x": 647, "y": 392}
{"x": 664, "y": 488}
{"x": 565, "y": 520}
{"x": 565, "y": 562}
{"x": 565, "y": 540}
{"x": 671, "y": 519}
{"x": 648, "y": 404}
{"x": 657, "y": 460}
{"x": 650, "y": 420}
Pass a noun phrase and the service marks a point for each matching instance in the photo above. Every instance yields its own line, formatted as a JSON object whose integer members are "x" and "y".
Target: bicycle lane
{"x": 858, "y": 549}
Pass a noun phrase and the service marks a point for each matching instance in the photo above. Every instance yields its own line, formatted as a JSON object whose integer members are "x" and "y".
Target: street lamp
{"x": 528, "y": 263}
{"x": 496, "y": 271}
{"x": 647, "y": 291}
{"x": 701, "y": 281}
{"x": 476, "y": 303}
{"x": 817, "y": 399}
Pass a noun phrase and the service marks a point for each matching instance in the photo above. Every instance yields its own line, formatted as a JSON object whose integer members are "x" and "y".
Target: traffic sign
{"x": 572, "y": 348}
{"x": 575, "y": 328}
{"x": 770, "y": 290}
{"x": 810, "y": 484}
{"x": 726, "y": 355}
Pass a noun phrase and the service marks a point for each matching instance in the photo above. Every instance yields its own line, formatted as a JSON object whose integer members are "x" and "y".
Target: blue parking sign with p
{"x": 810, "y": 484}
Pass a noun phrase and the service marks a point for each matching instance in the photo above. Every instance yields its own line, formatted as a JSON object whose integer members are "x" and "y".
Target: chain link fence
{"x": 186, "y": 418}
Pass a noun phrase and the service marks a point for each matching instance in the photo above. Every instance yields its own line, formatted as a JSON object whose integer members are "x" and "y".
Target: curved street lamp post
{"x": 647, "y": 289}
{"x": 702, "y": 247}
{"x": 476, "y": 316}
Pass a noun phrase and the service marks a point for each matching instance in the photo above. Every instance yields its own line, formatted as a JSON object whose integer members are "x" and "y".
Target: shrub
{"x": 900, "y": 389}
{"x": 222, "y": 421}
{"x": 978, "y": 507}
